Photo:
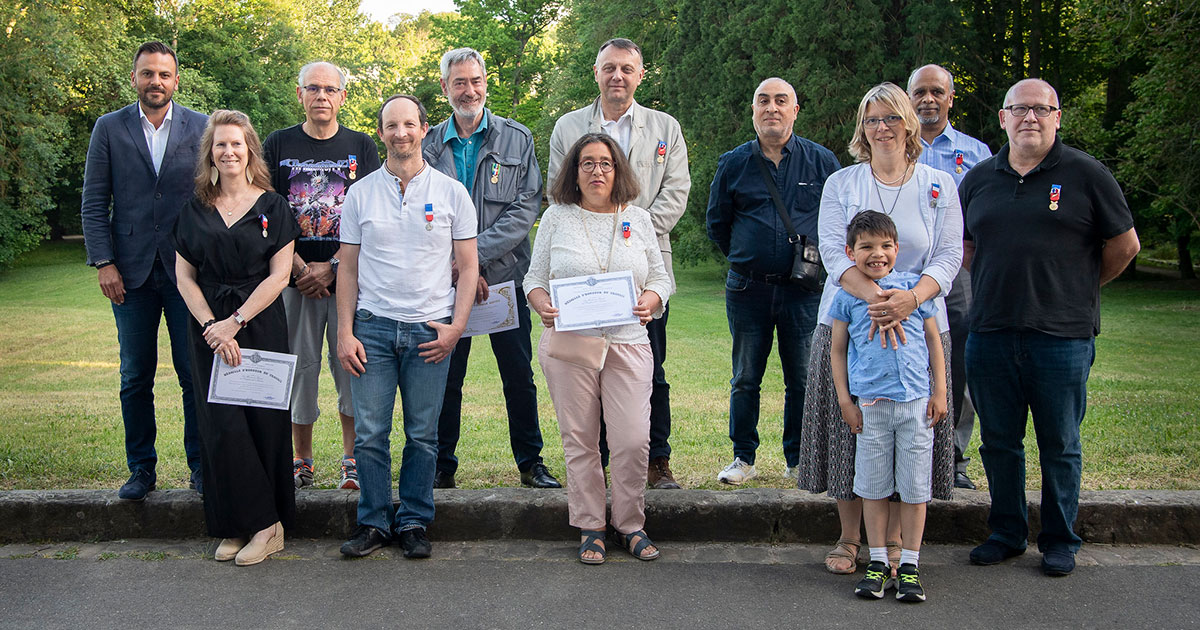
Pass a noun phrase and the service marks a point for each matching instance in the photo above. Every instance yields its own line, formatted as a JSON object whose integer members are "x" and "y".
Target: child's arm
{"x": 937, "y": 363}
{"x": 851, "y": 414}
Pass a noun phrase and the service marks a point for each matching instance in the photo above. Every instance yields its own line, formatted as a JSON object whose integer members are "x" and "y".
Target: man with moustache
{"x": 141, "y": 162}
{"x": 931, "y": 89}
{"x": 312, "y": 165}
{"x": 759, "y": 297}
{"x": 399, "y": 319}
{"x": 653, "y": 142}
{"x": 493, "y": 157}
{"x": 1046, "y": 226}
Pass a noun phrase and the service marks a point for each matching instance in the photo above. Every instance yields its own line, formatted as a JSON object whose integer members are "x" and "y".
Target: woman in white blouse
{"x": 591, "y": 230}
{"x": 923, "y": 202}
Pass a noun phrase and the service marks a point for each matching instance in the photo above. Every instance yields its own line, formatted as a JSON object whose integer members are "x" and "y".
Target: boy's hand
{"x": 852, "y": 416}
{"x": 936, "y": 411}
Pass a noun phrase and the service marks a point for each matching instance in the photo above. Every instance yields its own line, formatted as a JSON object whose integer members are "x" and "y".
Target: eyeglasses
{"x": 588, "y": 166}
{"x": 329, "y": 90}
{"x": 891, "y": 121}
{"x": 1041, "y": 111}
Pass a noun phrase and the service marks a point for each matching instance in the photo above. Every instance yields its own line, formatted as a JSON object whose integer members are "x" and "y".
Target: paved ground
{"x": 526, "y": 584}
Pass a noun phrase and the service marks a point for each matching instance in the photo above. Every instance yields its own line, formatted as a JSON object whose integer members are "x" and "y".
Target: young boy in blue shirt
{"x": 885, "y": 397}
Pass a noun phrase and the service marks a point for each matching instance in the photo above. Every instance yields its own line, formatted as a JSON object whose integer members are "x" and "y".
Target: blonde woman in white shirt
{"x": 592, "y": 229}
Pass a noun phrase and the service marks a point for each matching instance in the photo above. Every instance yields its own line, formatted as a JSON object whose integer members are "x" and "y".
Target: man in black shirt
{"x": 1045, "y": 226}
{"x": 313, "y": 164}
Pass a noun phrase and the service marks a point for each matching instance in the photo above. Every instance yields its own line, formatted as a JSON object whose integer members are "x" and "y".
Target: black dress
{"x": 246, "y": 450}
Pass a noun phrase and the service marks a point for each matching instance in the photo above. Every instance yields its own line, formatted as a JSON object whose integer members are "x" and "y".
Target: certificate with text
{"x": 595, "y": 301}
{"x": 263, "y": 379}
{"x": 497, "y": 313}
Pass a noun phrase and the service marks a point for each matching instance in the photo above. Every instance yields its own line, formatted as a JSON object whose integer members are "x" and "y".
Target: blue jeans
{"x": 393, "y": 360}
{"x": 758, "y": 311}
{"x": 1010, "y": 375}
{"x": 137, "y": 333}
{"x": 514, "y": 354}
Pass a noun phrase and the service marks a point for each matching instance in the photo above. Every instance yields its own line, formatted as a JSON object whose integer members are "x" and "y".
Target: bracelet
{"x": 915, "y": 299}
{"x": 206, "y": 324}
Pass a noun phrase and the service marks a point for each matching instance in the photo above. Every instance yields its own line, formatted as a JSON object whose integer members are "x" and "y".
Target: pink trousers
{"x": 623, "y": 389}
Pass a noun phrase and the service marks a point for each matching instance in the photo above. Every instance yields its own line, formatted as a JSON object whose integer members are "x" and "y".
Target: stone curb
{"x": 748, "y": 515}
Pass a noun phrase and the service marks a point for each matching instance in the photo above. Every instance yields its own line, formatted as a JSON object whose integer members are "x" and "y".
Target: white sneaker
{"x": 791, "y": 473}
{"x": 737, "y": 472}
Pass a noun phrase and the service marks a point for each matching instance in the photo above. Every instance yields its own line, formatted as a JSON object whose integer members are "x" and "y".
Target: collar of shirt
{"x": 451, "y": 132}
{"x": 949, "y": 133}
{"x": 146, "y": 121}
{"x": 1048, "y": 162}
{"x": 620, "y": 129}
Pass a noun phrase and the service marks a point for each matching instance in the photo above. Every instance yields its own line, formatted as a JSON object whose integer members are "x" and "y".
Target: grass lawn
{"x": 60, "y": 420}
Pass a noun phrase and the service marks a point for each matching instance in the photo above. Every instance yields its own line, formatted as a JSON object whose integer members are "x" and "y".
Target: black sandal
{"x": 590, "y": 536}
{"x": 636, "y": 549}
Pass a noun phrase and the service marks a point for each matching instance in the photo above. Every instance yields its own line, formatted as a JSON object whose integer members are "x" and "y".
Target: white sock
{"x": 879, "y": 554}
{"x": 908, "y": 556}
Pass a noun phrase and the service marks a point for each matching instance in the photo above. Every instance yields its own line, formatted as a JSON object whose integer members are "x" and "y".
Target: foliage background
{"x": 1125, "y": 73}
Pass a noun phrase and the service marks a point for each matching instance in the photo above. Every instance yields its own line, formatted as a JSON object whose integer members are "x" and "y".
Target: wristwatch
{"x": 100, "y": 264}
{"x": 237, "y": 317}
{"x": 333, "y": 264}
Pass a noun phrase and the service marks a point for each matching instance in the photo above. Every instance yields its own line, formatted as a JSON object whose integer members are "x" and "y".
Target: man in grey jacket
{"x": 494, "y": 159}
{"x": 654, "y": 144}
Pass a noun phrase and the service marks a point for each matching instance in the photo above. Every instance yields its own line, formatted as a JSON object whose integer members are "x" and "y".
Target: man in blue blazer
{"x": 140, "y": 168}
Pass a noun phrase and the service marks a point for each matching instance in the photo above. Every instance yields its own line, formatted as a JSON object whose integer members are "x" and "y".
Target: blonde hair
{"x": 206, "y": 191}
{"x": 896, "y": 100}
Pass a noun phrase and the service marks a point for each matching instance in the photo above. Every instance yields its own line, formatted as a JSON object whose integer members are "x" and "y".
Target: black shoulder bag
{"x": 807, "y": 271}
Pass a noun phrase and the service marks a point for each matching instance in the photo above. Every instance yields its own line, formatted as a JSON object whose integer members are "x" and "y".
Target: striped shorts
{"x": 894, "y": 452}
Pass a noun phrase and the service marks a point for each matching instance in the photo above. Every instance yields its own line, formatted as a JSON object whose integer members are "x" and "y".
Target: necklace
{"x": 894, "y": 181}
{"x": 879, "y": 192}
{"x": 587, "y": 230}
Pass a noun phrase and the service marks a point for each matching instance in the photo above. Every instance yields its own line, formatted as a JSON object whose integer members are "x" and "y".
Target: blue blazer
{"x": 127, "y": 210}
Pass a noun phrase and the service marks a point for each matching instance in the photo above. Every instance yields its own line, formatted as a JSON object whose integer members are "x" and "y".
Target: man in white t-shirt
{"x": 399, "y": 320}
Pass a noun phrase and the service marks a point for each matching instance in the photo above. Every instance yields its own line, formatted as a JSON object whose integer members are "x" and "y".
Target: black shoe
{"x": 140, "y": 483}
{"x": 415, "y": 543}
{"x": 538, "y": 476}
{"x": 1058, "y": 563}
{"x": 992, "y": 552}
{"x": 197, "y": 482}
{"x": 961, "y": 480}
{"x": 908, "y": 584}
{"x": 443, "y": 479}
{"x": 365, "y": 540}
{"x": 877, "y": 579}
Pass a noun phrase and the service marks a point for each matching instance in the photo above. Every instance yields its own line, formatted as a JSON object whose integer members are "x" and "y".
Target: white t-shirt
{"x": 404, "y": 268}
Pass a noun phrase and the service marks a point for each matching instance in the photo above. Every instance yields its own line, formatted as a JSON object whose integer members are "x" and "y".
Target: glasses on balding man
{"x": 891, "y": 121}
{"x": 1041, "y": 111}
{"x": 588, "y": 166}
{"x": 317, "y": 89}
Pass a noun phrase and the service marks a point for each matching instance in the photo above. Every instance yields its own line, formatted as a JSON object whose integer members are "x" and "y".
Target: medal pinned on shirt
{"x": 661, "y": 151}
{"x": 958, "y": 161}
{"x": 353, "y": 166}
{"x": 262, "y": 218}
{"x": 934, "y": 191}
{"x": 1055, "y": 192}
{"x": 626, "y": 232}
{"x": 428, "y": 217}
{"x": 495, "y": 173}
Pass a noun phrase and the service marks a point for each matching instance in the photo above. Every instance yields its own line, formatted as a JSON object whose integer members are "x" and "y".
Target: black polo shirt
{"x": 1038, "y": 269}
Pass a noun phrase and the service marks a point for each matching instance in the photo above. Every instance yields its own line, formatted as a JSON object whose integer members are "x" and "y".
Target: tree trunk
{"x": 516, "y": 80}
{"x": 1183, "y": 241}
{"x": 1035, "y": 38}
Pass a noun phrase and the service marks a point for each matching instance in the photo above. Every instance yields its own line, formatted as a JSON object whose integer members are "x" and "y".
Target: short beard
{"x": 465, "y": 113}
{"x": 144, "y": 99}
{"x": 403, "y": 157}
{"x": 928, "y": 121}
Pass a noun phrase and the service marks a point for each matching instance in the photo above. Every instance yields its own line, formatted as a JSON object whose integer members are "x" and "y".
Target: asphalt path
{"x": 531, "y": 584}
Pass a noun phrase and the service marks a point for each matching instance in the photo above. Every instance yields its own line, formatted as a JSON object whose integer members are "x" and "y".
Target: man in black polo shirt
{"x": 1045, "y": 226}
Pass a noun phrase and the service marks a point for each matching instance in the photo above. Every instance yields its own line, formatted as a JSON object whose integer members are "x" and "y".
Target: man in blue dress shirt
{"x": 945, "y": 148}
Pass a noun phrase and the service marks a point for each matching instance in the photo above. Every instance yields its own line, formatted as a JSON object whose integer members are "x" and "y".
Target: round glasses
{"x": 588, "y": 166}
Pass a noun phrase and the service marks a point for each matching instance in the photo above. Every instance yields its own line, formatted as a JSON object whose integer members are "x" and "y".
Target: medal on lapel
{"x": 428, "y": 217}
{"x": 495, "y": 173}
{"x": 958, "y": 161}
{"x": 1055, "y": 192}
{"x": 661, "y": 151}
{"x": 934, "y": 191}
{"x": 262, "y": 218}
{"x": 625, "y": 232}
{"x": 353, "y": 166}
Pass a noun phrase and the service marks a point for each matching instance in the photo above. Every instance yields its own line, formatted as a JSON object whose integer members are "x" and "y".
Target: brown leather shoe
{"x": 659, "y": 476}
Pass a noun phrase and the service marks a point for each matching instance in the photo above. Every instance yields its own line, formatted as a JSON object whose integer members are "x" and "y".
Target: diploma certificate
{"x": 497, "y": 313}
{"x": 595, "y": 301}
{"x": 264, "y": 379}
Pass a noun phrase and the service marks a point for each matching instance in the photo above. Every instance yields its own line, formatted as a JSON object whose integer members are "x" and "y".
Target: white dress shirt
{"x": 156, "y": 139}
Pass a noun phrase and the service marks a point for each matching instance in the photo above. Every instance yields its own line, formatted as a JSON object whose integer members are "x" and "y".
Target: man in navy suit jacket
{"x": 140, "y": 168}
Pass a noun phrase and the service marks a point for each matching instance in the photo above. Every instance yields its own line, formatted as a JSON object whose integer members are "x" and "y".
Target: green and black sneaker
{"x": 908, "y": 587}
{"x": 877, "y": 580}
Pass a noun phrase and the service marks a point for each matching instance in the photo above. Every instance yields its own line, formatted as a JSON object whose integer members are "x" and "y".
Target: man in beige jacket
{"x": 654, "y": 144}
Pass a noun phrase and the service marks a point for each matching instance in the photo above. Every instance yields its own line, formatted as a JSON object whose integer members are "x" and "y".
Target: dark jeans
{"x": 137, "y": 333}
{"x": 1012, "y": 374}
{"x": 757, "y": 312}
{"x": 514, "y": 353}
{"x": 958, "y": 306}
{"x": 660, "y": 396}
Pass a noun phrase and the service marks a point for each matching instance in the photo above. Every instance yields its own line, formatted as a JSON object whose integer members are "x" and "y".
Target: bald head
{"x": 1031, "y": 87}
{"x": 775, "y": 85}
{"x": 931, "y": 72}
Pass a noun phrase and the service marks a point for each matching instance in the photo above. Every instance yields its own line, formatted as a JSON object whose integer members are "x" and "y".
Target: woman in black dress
{"x": 234, "y": 242}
